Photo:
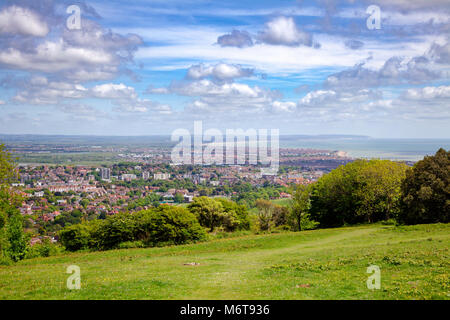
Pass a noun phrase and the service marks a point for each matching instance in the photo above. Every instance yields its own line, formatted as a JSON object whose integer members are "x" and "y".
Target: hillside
{"x": 319, "y": 264}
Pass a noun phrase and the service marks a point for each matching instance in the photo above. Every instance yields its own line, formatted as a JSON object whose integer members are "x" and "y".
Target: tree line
{"x": 377, "y": 190}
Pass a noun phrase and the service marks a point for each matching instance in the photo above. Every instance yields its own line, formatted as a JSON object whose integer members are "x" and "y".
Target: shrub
{"x": 265, "y": 213}
{"x": 167, "y": 225}
{"x": 209, "y": 212}
{"x": 113, "y": 230}
{"x": 44, "y": 249}
{"x": 131, "y": 245}
{"x": 307, "y": 223}
{"x": 236, "y": 216}
{"x": 5, "y": 261}
{"x": 154, "y": 227}
{"x": 76, "y": 237}
{"x": 223, "y": 213}
{"x": 280, "y": 215}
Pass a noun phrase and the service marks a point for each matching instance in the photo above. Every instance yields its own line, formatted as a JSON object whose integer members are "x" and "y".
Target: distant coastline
{"x": 354, "y": 146}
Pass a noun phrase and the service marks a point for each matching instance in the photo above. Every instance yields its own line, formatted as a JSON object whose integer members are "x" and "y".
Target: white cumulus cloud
{"x": 284, "y": 31}
{"x": 17, "y": 20}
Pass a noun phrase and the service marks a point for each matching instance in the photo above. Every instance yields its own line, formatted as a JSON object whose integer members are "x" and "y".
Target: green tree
{"x": 76, "y": 237}
{"x": 18, "y": 241}
{"x": 209, "y": 212}
{"x": 426, "y": 191}
{"x": 235, "y": 215}
{"x": 168, "y": 225}
{"x": 265, "y": 213}
{"x": 360, "y": 191}
{"x": 13, "y": 241}
{"x": 379, "y": 190}
{"x": 280, "y": 215}
{"x": 153, "y": 227}
{"x": 301, "y": 204}
{"x": 178, "y": 198}
{"x": 7, "y": 167}
{"x": 84, "y": 203}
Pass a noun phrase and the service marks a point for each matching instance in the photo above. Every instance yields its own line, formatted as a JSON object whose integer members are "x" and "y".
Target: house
{"x": 39, "y": 194}
{"x": 285, "y": 195}
{"x": 161, "y": 176}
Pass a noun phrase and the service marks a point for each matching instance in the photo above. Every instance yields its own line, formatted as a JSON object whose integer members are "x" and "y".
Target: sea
{"x": 369, "y": 148}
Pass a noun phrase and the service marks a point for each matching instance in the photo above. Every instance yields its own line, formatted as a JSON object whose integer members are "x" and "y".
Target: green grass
{"x": 282, "y": 202}
{"x": 319, "y": 264}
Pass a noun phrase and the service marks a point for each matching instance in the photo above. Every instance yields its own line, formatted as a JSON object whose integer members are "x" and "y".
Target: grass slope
{"x": 320, "y": 264}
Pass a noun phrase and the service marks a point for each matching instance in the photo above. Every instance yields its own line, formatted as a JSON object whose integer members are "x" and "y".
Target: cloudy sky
{"x": 304, "y": 67}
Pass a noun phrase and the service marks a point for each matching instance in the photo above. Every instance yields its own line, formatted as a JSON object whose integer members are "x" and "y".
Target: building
{"x": 161, "y": 176}
{"x": 39, "y": 194}
{"x": 128, "y": 177}
{"x": 105, "y": 173}
{"x": 145, "y": 175}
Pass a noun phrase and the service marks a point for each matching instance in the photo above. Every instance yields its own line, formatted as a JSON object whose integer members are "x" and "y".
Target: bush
{"x": 307, "y": 223}
{"x": 226, "y": 235}
{"x": 44, "y": 249}
{"x": 209, "y": 212}
{"x": 390, "y": 222}
{"x": 265, "y": 214}
{"x": 280, "y": 215}
{"x": 236, "y": 215}
{"x": 426, "y": 191}
{"x": 155, "y": 227}
{"x": 76, "y": 237}
{"x": 113, "y": 230}
{"x": 5, "y": 261}
{"x": 167, "y": 225}
{"x": 131, "y": 245}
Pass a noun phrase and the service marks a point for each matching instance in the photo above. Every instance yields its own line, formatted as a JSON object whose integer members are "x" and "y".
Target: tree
{"x": 235, "y": 215}
{"x": 280, "y": 215}
{"x": 378, "y": 192}
{"x": 84, "y": 203}
{"x": 300, "y": 204}
{"x": 13, "y": 241}
{"x": 426, "y": 191}
{"x": 18, "y": 241}
{"x": 360, "y": 191}
{"x": 7, "y": 167}
{"x": 209, "y": 212}
{"x": 265, "y": 213}
{"x": 178, "y": 198}
{"x": 76, "y": 237}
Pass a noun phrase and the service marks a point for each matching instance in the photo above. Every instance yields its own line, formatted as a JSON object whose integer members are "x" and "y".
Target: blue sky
{"x": 150, "y": 67}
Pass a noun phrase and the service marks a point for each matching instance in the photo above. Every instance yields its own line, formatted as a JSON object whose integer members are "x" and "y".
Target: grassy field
{"x": 319, "y": 264}
{"x": 282, "y": 202}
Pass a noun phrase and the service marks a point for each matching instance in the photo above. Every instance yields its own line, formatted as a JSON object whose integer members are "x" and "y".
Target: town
{"x": 56, "y": 195}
